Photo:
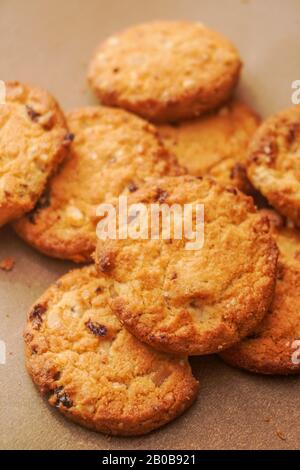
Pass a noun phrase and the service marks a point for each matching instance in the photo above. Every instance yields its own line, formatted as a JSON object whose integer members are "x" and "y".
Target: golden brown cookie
{"x": 112, "y": 152}
{"x": 33, "y": 141}
{"x": 165, "y": 71}
{"x": 193, "y": 301}
{"x": 274, "y": 162}
{"x": 214, "y": 144}
{"x": 272, "y": 348}
{"x": 95, "y": 372}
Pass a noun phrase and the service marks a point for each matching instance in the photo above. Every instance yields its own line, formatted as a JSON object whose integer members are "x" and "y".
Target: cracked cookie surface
{"x": 112, "y": 152}
{"x": 272, "y": 348}
{"x": 193, "y": 301}
{"x": 165, "y": 71}
{"x": 93, "y": 370}
{"x": 33, "y": 141}
{"x": 274, "y": 162}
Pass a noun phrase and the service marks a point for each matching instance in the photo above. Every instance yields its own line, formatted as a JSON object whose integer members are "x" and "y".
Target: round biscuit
{"x": 192, "y": 300}
{"x": 165, "y": 71}
{"x": 273, "y": 346}
{"x": 113, "y": 152}
{"x": 274, "y": 163}
{"x": 33, "y": 140}
{"x": 93, "y": 370}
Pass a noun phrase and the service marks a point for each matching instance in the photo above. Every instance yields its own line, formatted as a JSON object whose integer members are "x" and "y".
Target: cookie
{"x": 193, "y": 301}
{"x": 33, "y": 141}
{"x": 215, "y": 144}
{"x": 165, "y": 71}
{"x": 274, "y": 163}
{"x": 112, "y": 152}
{"x": 93, "y": 370}
{"x": 274, "y": 347}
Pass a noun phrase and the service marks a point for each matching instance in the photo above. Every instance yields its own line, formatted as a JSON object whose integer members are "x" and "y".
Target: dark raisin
{"x": 161, "y": 195}
{"x": 31, "y": 217}
{"x": 293, "y": 130}
{"x": 96, "y": 328}
{"x": 232, "y": 191}
{"x": 69, "y": 138}
{"x": 253, "y": 335}
{"x": 62, "y": 398}
{"x": 132, "y": 187}
{"x": 105, "y": 263}
{"x": 254, "y": 158}
{"x": 236, "y": 171}
{"x": 280, "y": 271}
{"x": 174, "y": 276}
{"x": 42, "y": 203}
{"x": 57, "y": 376}
{"x": 34, "y": 115}
{"x": 98, "y": 290}
{"x": 36, "y": 315}
{"x": 291, "y": 135}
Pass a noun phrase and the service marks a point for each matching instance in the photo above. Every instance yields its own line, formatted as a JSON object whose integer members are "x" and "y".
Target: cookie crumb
{"x": 267, "y": 419}
{"x": 7, "y": 264}
{"x": 281, "y": 435}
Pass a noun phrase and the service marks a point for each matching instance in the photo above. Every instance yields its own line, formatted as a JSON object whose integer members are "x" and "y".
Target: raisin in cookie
{"x": 112, "y": 152}
{"x": 192, "y": 301}
{"x": 274, "y": 162}
{"x": 165, "y": 71}
{"x": 272, "y": 348}
{"x": 95, "y": 372}
{"x": 214, "y": 144}
{"x": 33, "y": 141}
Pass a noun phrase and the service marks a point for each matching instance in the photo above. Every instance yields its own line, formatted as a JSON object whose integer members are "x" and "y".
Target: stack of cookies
{"x": 109, "y": 342}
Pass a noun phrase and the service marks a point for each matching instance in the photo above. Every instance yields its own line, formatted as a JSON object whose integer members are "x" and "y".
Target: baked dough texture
{"x": 33, "y": 140}
{"x": 274, "y": 162}
{"x": 165, "y": 71}
{"x": 215, "y": 144}
{"x": 93, "y": 370}
{"x": 272, "y": 348}
{"x": 193, "y": 301}
{"x": 113, "y": 152}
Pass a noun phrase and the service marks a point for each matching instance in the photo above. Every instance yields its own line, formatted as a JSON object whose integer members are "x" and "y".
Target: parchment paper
{"x": 49, "y": 43}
